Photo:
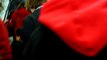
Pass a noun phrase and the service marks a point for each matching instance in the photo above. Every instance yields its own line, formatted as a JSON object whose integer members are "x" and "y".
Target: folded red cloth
{"x": 82, "y": 24}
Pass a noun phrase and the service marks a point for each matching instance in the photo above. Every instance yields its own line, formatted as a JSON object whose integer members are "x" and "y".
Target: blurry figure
{"x": 30, "y": 23}
{"x": 5, "y": 47}
{"x": 17, "y": 19}
{"x": 16, "y": 24}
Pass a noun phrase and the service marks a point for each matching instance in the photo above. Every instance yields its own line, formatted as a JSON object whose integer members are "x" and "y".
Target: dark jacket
{"x": 30, "y": 23}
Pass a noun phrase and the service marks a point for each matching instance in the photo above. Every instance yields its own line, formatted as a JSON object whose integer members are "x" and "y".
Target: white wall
{"x": 5, "y": 5}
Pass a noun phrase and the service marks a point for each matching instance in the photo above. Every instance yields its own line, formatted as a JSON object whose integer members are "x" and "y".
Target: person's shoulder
{"x": 39, "y": 7}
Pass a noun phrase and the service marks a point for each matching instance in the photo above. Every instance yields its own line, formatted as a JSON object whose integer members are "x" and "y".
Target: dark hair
{"x": 33, "y": 3}
{"x": 21, "y": 5}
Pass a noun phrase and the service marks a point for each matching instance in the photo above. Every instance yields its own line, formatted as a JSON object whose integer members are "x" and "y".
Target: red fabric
{"x": 5, "y": 48}
{"x": 82, "y": 24}
{"x": 18, "y": 17}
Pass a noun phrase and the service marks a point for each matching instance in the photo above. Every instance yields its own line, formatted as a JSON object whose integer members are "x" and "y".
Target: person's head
{"x": 32, "y": 4}
{"x": 40, "y": 2}
{"x": 21, "y": 5}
